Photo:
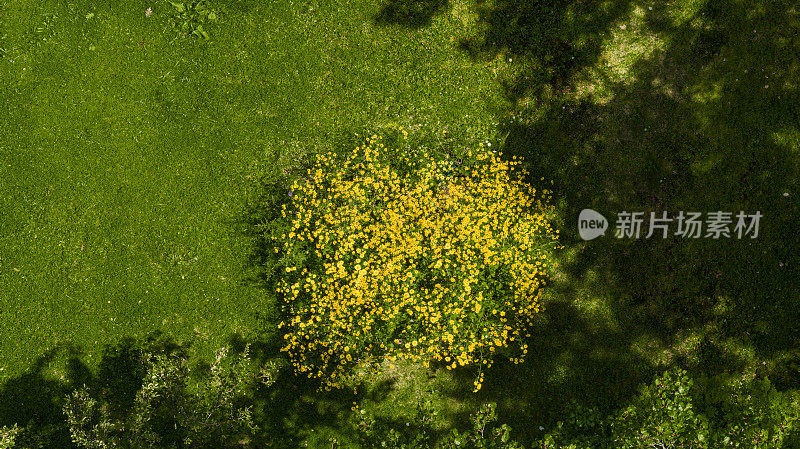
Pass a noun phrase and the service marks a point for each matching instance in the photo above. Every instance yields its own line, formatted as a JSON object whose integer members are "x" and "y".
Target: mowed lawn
{"x": 127, "y": 152}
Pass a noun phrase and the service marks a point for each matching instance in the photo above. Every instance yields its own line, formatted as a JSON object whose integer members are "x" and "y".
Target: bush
{"x": 485, "y": 434}
{"x": 418, "y": 434}
{"x": 7, "y": 436}
{"x": 166, "y": 411}
{"x": 676, "y": 411}
{"x": 372, "y": 432}
{"x": 749, "y": 413}
{"x": 390, "y": 255}
{"x": 661, "y": 416}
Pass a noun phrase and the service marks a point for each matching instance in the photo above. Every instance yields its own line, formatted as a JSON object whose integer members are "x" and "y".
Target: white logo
{"x": 591, "y": 224}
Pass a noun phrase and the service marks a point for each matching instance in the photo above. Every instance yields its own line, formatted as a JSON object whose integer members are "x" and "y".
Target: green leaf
{"x": 212, "y": 16}
{"x": 179, "y": 7}
{"x": 200, "y": 32}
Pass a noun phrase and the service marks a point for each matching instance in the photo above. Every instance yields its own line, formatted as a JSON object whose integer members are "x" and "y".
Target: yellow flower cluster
{"x": 436, "y": 266}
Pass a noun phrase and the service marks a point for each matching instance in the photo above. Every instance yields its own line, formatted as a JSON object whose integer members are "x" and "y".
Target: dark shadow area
{"x": 550, "y": 40}
{"x": 570, "y": 359}
{"x": 786, "y": 374}
{"x": 123, "y": 368}
{"x": 284, "y": 410}
{"x": 120, "y": 375}
{"x": 709, "y": 122}
{"x": 292, "y": 405}
{"x": 410, "y": 13}
{"x": 33, "y": 399}
{"x": 287, "y": 409}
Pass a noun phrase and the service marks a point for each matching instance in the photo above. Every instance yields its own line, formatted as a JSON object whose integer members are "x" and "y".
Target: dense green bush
{"x": 168, "y": 411}
{"x": 749, "y": 413}
{"x": 675, "y": 411}
{"x": 7, "y": 436}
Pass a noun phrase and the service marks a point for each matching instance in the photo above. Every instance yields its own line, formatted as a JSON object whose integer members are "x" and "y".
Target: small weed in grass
{"x": 188, "y": 18}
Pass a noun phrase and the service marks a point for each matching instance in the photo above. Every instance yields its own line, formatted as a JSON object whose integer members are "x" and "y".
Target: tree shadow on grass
{"x": 33, "y": 400}
{"x": 706, "y": 122}
{"x": 572, "y": 357}
{"x": 293, "y": 406}
{"x": 550, "y": 40}
{"x": 410, "y": 13}
{"x": 702, "y": 126}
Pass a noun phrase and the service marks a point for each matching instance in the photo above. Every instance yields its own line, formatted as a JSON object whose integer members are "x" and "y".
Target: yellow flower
{"x": 368, "y": 222}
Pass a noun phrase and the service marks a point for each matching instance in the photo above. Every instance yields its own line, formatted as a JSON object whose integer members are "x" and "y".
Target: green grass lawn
{"x": 127, "y": 151}
{"x": 129, "y": 156}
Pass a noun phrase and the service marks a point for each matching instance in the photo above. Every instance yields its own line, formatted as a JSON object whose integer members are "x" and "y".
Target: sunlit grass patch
{"x": 629, "y": 42}
{"x": 128, "y": 152}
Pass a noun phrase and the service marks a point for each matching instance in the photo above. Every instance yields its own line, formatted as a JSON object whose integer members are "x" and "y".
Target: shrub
{"x": 676, "y": 411}
{"x": 166, "y": 410}
{"x": 7, "y": 436}
{"x": 388, "y": 255}
{"x": 663, "y": 415}
{"x": 485, "y": 434}
{"x": 749, "y": 413}
{"x": 373, "y": 432}
{"x": 418, "y": 434}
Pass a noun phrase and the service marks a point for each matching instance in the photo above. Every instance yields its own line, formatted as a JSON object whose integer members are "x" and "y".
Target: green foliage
{"x": 586, "y": 428}
{"x": 419, "y": 434}
{"x": 676, "y": 411}
{"x": 7, "y": 436}
{"x": 485, "y": 433}
{"x": 189, "y": 17}
{"x": 749, "y": 413}
{"x": 167, "y": 410}
{"x": 662, "y": 415}
{"x": 373, "y": 432}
